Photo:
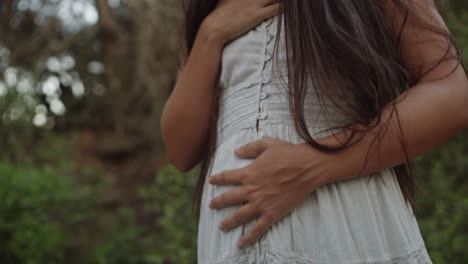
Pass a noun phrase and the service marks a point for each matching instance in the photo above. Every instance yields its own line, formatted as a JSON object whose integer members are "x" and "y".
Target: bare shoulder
{"x": 425, "y": 39}
{"x": 417, "y": 13}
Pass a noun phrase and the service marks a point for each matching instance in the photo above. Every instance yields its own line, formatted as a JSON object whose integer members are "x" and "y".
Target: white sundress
{"x": 355, "y": 221}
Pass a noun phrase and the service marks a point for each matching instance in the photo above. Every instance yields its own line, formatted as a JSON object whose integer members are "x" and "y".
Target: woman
{"x": 306, "y": 115}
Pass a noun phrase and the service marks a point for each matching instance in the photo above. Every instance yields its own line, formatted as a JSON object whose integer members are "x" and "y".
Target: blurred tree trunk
{"x": 139, "y": 51}
{"x": 118, "y": 118}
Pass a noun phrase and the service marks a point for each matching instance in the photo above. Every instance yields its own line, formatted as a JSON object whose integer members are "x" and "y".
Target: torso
{"x": 356, "y": 221}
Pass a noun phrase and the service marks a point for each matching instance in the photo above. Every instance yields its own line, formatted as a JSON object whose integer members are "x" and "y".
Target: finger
{"x": 252, "y": 150}
{"x": 271, "y": 10}
{"x": 268, "y": 2}
{"x": 241, "y": 216}
{"x": 262, "y": 225}
{"x": 234, "y": 176}
{"x": 229, "y": 198}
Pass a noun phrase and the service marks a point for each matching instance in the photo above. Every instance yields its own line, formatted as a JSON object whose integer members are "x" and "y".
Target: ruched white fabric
{"x": 357, "y": 221}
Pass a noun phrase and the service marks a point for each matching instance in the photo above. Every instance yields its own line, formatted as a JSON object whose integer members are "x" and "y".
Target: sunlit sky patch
{"x": 85, "y": 9}
{"x": 51, "y": 86}
{"x": 74, "y": 14}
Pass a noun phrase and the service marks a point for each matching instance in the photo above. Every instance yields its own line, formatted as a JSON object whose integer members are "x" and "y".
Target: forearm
{"x": 430, "y": 113}
{"x": 186, "y": 115}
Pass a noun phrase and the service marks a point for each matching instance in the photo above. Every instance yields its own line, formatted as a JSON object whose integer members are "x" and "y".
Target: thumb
{"x": 251, "y": 150}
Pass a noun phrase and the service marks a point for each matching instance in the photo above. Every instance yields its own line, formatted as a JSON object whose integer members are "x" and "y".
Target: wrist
{"x": 329, "y": 167}
{"x": 211, "y": 32}
{"x": 319, "y": 167}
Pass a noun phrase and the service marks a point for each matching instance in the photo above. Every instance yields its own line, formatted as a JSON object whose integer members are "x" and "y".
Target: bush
{"x": 171, "y": 197}
{"x": 442, "y": 204}
{"x": 48, "y": 218}
{"x": 35, "y": 206}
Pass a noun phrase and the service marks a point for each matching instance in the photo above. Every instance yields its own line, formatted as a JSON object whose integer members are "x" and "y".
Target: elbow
{"x": 181, "y": 164}
{"x": 177, "y": 155}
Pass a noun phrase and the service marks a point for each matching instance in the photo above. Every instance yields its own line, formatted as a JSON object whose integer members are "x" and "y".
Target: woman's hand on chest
{"x": 232, "y": 18}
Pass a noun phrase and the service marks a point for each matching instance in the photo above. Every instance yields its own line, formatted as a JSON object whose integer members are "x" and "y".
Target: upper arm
{"x": 426, "y": 46}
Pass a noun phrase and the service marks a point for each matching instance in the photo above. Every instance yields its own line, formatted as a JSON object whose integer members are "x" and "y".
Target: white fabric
{"x": 356, "y": 221}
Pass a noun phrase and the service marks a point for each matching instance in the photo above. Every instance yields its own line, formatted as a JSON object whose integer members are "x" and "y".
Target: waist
{"x": 282, "y": 129}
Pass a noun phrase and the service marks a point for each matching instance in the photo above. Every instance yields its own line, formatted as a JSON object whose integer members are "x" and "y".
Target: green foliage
{"x": 125, "y": 243}
{"x": 455, "y": 13}
{"x": 34, "y": 205}
{"x": 46, "y": 217}
{"x": 442, "y": 207}
{"x": 170, "y": 197}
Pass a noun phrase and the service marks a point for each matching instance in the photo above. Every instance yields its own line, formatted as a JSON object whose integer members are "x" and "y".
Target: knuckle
{"x": 250, "y": 191}
{"x": 257, "y": 208}
{"x": 233, "y": 219}
{"x": 242, "y": 177}
{"x": 246, "y": 192}
{"x": 256, "y": 232}
{"x": 270, "y": 216}
{"x": 251, "y": 170}
{"x": 222, "y": 177}
{"x": 222, "y": 198}
{"x": 227, "y": 223}
{"x": 248, "y": 238}
{"x": 245, "y": 175}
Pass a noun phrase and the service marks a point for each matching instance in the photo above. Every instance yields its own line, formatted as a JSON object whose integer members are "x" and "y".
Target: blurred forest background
{"x": 83, "y": 175}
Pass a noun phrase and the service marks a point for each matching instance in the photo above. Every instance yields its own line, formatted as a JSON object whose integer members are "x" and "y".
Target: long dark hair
{"x": 349, "y": 48}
